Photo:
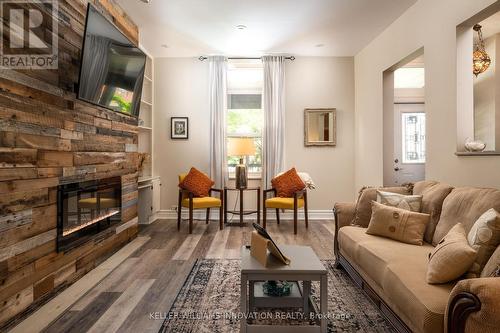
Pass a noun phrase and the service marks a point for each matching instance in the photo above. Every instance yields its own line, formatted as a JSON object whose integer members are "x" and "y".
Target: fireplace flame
{"x": 86, "y": 224}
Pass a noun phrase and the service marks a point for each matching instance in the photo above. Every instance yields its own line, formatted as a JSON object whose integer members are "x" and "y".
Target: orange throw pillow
{"x": 197, "y": 182}
{"x": 288, "y": 183}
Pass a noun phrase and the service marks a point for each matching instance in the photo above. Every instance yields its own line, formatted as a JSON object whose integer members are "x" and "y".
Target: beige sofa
{"x": 393, "y": 273}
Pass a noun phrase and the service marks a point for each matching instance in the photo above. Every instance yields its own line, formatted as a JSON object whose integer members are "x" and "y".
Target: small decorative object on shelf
{"x": 277, "y": 288}
{"x": 475, "y": 145}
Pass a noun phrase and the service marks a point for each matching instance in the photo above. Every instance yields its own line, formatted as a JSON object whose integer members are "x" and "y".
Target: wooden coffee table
{"x": 305, "y": 266}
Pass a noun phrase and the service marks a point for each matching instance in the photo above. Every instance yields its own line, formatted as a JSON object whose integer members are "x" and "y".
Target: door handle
{"x": 397, "y": 168}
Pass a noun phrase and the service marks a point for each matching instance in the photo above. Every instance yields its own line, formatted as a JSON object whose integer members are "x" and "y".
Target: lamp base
{"x": 241, "y": 176}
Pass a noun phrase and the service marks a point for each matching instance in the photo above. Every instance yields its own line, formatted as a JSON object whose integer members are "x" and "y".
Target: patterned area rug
{"x": 209, "y": 302}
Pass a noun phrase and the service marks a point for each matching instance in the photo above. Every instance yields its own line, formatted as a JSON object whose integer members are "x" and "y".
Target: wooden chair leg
{"x": 264, "y": 215}
{"x": 295, "y": 210}
{"x": 295, "y": 220}
{"x": 306, "y": 212}
{"x": 277, "y": 215}
{"x": 208, "y": 216}
{"x": 190, "y": 216}
{"x": 221, "y": 218}
{"x": 179, "y": 218}
{"x": 179, "y": 211}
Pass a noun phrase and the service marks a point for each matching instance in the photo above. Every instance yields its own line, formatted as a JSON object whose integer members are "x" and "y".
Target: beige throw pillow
{"x": 451, "y": 258}
{"x": 408, "y": 202}
{"x": 484, "y": 237}
{"x": 398, "y": 224}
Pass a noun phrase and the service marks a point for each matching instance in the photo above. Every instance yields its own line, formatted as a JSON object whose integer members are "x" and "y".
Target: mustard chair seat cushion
{"x": 91, "y": 203}
{"x": 205, "y": 202}
{"x": 283, "y": 203}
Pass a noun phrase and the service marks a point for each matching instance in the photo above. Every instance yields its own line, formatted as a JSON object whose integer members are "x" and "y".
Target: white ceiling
{"x": 298, "y": 27}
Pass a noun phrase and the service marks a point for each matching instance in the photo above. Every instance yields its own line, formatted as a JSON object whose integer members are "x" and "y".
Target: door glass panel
{"x": 413, "y": 130}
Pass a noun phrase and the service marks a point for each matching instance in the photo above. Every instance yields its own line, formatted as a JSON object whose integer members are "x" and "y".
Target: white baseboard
{"x": 271, "y": 215}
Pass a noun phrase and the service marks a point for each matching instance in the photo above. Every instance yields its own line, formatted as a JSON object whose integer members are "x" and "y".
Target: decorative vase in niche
{"x": 475, "y": 145}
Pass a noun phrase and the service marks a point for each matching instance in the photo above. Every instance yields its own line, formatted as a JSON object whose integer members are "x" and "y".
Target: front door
{"x": 409, "y": 144}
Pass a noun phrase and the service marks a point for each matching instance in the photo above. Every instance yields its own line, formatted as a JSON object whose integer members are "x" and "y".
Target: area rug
{"x": 210, "y": 298}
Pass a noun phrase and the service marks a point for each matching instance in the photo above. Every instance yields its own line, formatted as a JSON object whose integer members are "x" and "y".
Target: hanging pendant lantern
{"x": 480, "y": 59}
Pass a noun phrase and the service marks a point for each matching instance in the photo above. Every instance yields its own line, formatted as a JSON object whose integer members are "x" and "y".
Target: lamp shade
{"x": 240, "y": 147}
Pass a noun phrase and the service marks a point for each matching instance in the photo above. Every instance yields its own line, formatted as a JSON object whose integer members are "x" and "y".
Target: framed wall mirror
{"x": 320, "y": 127}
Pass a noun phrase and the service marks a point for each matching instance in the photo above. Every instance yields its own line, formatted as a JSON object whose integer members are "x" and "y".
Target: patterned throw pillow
{"x": 197, "y": 182}
{"x": 451, "y": 258}
{"x": 288, "y": 183}
{"x": 407, "y": 202}
{"x": 484, "y": 237}
{"x": 363, "y": 211}
{"x": 398, "y": 224}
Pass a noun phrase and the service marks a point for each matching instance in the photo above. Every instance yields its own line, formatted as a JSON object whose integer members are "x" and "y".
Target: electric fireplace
{"x": 86, "y": 209}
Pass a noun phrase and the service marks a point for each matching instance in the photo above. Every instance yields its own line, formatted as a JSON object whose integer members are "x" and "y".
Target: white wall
{"x": 322, "y": 82}
{"x": 311, "y": 82}
{"x": 430, "y": 24}
{"x": 181, "y": 89}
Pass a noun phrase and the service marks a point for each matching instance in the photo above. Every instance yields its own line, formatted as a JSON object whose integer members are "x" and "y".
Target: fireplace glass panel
{"x": 87, "y": 208}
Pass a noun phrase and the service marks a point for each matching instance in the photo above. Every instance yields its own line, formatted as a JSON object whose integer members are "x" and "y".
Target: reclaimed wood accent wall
{"x": 47, "y": 138}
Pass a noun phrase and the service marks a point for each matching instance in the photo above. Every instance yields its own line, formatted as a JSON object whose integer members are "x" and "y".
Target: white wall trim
{"x": 287, "y": 215}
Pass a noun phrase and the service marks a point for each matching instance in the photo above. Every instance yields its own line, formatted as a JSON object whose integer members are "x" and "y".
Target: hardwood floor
{"x": 148, "y": 280}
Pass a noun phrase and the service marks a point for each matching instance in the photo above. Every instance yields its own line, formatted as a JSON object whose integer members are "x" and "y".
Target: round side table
{"x": 241, "y": 212}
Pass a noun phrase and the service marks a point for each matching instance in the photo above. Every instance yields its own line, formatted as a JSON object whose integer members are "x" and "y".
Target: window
{"x": 245, "y": 117}
{"x": 413, "y": 125}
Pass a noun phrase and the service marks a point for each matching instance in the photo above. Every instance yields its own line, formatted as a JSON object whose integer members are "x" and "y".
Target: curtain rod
{"x": 201, "y": 58}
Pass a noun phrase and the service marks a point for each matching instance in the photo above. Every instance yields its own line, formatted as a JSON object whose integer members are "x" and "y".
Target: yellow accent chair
{"x": 298, "y": 200}
{"x": 188, "y": 200}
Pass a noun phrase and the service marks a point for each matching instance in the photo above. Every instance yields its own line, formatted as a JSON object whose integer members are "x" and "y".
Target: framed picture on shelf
{"x": 179, "y": 128}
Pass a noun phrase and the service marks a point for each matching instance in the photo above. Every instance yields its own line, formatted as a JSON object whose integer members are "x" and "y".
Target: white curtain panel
{"x": 274, "y": 117}
{"x": 217, "y": 99}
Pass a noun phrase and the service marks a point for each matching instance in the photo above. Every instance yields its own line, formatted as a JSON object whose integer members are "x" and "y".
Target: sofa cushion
{"x": 399, "y": 224}
{"x": 421, "y": 303}
{"x": 364, "y": 204}
{"x": 399, "y": 270}
{"x": 374, "y": 253}
{"x": 451, "y": 258}
{"x": 493, "y": 265}
{"x": 484, "y": 236}
{"x": 465, "y": 205}
{"x": 433, "y": 194}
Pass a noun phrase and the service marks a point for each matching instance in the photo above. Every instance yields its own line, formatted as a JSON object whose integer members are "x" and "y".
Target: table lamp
{"x": 243, "y": 146}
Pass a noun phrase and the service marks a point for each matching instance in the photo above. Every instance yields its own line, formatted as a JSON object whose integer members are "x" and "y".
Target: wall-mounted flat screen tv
{"x": 112, "y": 67}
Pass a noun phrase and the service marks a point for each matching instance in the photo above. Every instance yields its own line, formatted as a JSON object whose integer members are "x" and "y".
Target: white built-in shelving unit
{"x": 149, "y": 184}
